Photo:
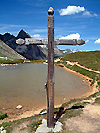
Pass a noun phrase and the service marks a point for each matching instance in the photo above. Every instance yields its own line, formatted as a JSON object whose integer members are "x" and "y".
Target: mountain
{"x": 6, "y": 37}
{"x": 32, "y": 52}
{"x": 76, "y": 50}
{"x": 9, "y": 39}
{"x": 6, "y": 51}
{"x": 67, "y": 51}
{"x": 22, "y": 34}
{"x": 57, "y": 52}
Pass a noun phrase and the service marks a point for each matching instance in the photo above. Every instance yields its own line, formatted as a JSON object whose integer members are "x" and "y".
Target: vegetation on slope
{"x": 9, "y": 61}
{"x": 8, "y": 55}
{"x": 2, "y": 115}
{"x": 89, "y": 59}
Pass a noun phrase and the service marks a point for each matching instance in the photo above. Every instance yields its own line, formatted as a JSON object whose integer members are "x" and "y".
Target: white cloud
{"x": 86, "y": 41}
{"x": 71, "y": 36}
{"x": 70, "y": 10}
{"x": 90, "y": 14}
{"x": 36, "y": 36}
{"x": 97, "y": 41}
{"x": 87, "y": 13}
{"x": 95, "y": 14}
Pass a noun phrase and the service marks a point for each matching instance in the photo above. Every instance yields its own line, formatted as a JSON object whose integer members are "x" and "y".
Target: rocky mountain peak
{"x": 7, "y": 36}
{"x": 22, "y": 34}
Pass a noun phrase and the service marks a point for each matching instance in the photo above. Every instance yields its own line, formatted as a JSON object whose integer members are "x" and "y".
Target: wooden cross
{"x": 50, "y": 82}
{"x": 51, "y": 42}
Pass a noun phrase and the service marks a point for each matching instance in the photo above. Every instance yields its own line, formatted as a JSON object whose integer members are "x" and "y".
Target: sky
{"x": 73, "y": 19}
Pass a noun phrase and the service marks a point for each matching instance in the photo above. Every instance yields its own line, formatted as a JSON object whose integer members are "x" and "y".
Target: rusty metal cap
{"x": 50, "y": 11}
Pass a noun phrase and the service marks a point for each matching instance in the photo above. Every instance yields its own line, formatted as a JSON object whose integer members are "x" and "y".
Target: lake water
{"x": 24, "y": 84}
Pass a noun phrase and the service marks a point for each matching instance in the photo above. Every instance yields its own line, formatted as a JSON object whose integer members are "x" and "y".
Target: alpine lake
{"x": 23, "y": 84}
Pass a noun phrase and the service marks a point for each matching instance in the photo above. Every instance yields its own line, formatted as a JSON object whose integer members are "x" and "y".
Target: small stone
{"x": 44, "y": 112}
{"x": 19, "y": 107}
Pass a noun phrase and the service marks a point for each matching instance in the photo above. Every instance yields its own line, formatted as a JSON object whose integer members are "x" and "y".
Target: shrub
{"x": 99, "y": 83}
{"x": 61, "y": 65}
{"x": 97, "y": 100}
{"x": 2, "y": 115}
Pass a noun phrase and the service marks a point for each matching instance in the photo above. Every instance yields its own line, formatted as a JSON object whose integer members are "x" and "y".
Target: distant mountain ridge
{"x": 76, "y": 50}
{"x": 32, "y": 52}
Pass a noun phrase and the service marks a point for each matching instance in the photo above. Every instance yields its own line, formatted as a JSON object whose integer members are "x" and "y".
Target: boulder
{"x": 19, "y": 107}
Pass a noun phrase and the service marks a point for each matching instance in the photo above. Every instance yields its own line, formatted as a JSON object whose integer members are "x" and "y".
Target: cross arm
{"x": 69, "y": 42}
{"x": 29, "y": 41}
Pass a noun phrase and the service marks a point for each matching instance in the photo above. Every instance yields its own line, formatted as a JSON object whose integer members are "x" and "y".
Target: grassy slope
{"x": 12, "y": 56}
{"x": 6, "y": 51}
{"x": 88, "y": 59}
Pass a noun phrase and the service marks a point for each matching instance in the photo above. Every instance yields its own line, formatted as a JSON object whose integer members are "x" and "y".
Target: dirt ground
{"x": 88, "y": 121}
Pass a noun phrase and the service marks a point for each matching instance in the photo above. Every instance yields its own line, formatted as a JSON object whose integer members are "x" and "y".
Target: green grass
{"x": 32, "y": 122}
{"x": 88, "y": 59}
{"x": 14, "y": 61}
{"x": 71, "y": 113}
{"x": 6, "y": 51}
{"x": 97, "y": 100}
{"x": 99, "y": 83}
{"x": 43, "y": 110}
{"x": 93, "y": 96}
{"x": 37, "y": 61}
{"x": 61, "y": 65}
{"x": 72, "y": 101}
{"x": 2, "y": 115}
{"x": 79, "y": 104}
{"x": 36, "y": 125}
{"x": 85, "y": 72}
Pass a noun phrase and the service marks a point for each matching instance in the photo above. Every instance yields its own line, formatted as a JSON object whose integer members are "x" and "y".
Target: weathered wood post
{"x": 50, "y": 82}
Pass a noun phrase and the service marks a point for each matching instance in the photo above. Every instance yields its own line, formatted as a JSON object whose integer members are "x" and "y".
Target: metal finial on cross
{"x": 50, "y": 11}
